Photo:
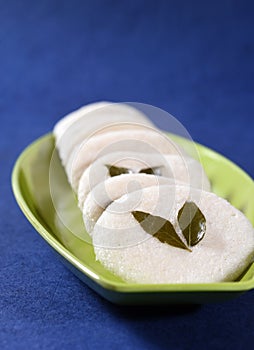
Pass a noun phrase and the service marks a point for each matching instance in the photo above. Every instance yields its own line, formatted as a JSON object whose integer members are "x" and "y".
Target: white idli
{"x": 123, "y": 247}
{"x": 143, "y": 140}
{"x": 73, "y": 129}
{"x": 113, "y": 188}
{"x": 180, "y": 168}
{"x": 64, "y": 123}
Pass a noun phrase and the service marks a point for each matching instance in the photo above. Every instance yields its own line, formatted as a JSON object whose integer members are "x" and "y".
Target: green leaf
{"x": 192, "y": 223}
{"x": 115, "y": 171}
{"x": 151, "y": 171}
{"x": 160, "y": 228}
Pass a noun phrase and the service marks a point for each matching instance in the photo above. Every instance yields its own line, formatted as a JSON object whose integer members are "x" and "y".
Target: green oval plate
{"x": 38, "y": 172}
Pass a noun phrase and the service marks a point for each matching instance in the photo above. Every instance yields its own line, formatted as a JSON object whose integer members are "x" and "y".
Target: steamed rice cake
{"x": 79, "y": 125}
{"x": 180, "y": 168}
{"x": 126, "y": 249}
{"x": 143, "y": 140}
{"x": 113, "y": 188}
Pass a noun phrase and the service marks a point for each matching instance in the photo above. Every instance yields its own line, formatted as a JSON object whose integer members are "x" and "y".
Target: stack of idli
{"x": 146, "y": 203}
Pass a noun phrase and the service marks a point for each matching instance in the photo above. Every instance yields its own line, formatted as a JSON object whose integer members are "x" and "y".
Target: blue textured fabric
{"x": 194, "y": 59}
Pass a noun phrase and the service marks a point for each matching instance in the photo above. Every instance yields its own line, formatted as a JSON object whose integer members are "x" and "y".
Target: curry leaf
{"x": 151, "y": 171}
{"x": 115, "y": 171}
{"x": 192, "y": 223}
{"x": 160, "y": 228}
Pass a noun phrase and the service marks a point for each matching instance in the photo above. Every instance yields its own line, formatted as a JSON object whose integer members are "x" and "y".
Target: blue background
{"x": 194, "y": 59}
